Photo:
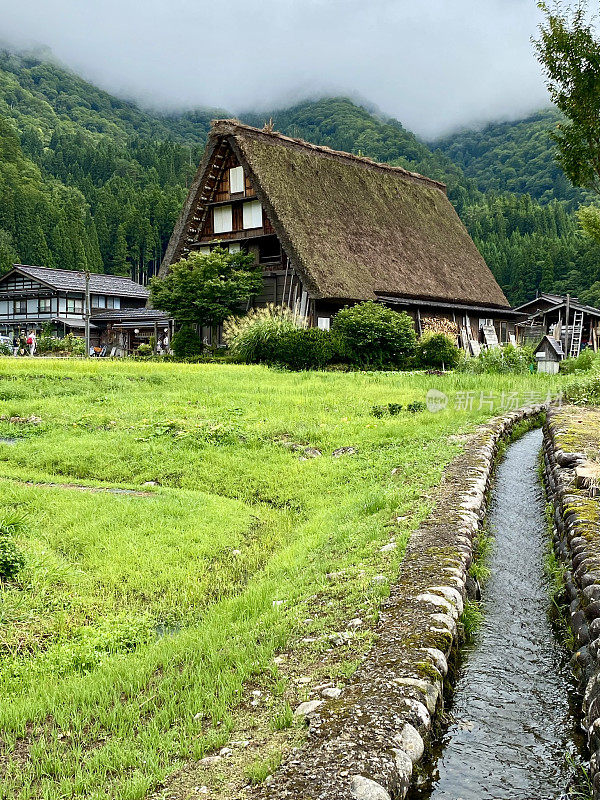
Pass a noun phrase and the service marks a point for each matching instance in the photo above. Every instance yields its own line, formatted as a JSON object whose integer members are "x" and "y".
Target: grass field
{"x": 143, "y": 619}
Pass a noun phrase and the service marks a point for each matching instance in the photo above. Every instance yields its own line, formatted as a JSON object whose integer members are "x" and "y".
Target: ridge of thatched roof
{"x": 225, "y": 127}
{"x": 353, "y": 228}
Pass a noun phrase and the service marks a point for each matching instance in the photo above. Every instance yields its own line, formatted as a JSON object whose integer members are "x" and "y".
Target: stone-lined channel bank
{"x": 512, "y": 722}
{"x": 376, "y": 739}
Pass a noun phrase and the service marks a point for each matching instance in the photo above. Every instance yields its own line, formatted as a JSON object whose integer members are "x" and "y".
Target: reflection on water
{"x": 512, "y": 722}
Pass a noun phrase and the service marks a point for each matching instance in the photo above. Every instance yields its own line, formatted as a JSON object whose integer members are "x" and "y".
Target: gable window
{"x": 44, "y": 305}
{"x": 74, "y": 305}
{"x": 253, "y": 215}
{"x": 236, "y": 180}
{"x": 19, "y": 306}
{"x": 222, "y": 219}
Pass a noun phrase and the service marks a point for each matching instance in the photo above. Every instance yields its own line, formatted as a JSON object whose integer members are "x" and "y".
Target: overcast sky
{"x": 433, "y": 64}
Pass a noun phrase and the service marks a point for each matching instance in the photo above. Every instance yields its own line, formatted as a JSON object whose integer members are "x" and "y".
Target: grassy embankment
{"x": 140, "y": 623}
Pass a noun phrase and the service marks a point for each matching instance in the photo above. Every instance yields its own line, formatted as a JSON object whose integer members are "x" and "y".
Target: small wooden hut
{"x": 548, "y": 355}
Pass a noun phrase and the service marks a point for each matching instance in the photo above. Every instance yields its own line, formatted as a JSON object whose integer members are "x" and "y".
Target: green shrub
{"x": 392, "y": 409}
{"x": 5, "y": 349}
{"x": 435, "y": 350}
{"x": 69, "y": 344}
{"x": 501, "y": 361}
{"x": 144, "y": 350}
{"x": 416, "y": 407}
{"x": 584, "y": 362}
{"x": 186, "y": 342}
{"x": 304, "y": 348}
{"x": 370, "y": 334}
{"x": 11, "y": 558}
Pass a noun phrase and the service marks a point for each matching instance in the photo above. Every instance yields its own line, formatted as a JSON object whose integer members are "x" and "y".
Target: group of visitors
{"x": 24, "y": 343}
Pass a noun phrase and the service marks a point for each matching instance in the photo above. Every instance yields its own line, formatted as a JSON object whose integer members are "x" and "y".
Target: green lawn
{"x": 129, "y": 637}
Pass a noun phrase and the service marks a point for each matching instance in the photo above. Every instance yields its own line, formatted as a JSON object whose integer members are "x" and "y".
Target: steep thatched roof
{"x": 353, "y": 228}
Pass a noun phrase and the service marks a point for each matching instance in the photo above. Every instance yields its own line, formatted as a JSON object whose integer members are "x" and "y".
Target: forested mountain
{"x": 513, "y": 157}
{"x": 88, "y": 180}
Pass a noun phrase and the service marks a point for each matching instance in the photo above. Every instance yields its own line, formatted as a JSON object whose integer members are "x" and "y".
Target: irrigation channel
{"x": 513, "y": 717}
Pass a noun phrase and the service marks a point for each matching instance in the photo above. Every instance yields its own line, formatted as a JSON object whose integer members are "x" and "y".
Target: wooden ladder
{"x": 576, "y": 333}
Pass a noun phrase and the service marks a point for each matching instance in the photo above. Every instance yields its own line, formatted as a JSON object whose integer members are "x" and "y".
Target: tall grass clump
{"x": 254, "y": 338}
{"x": 583, "y": 392}
{"x": 471, "y": 619}
{"x": 501, "y": 361}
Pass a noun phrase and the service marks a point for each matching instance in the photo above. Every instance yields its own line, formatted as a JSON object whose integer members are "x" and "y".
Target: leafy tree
{"x": 206, "y": 289}
{"x": 570, "y": 56}
{"x": 589, "y": 219}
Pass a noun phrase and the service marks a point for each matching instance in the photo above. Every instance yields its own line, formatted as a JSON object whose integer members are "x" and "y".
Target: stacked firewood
{"x": 440, "y": 325}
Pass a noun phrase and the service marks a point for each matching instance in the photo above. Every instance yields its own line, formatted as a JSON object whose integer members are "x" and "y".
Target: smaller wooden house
{"x": 548, "y": 355}
{"x": 575, "y": 325}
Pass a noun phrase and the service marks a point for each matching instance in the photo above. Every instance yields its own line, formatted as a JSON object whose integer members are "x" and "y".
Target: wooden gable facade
{"x": 228, "y": 213}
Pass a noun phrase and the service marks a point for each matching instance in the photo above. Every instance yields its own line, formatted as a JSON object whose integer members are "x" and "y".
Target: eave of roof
{"x": 144, "y": 315}
{"x": 433, "y": 303}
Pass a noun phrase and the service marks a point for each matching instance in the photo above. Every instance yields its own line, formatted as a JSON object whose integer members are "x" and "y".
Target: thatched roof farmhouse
{"x": 332, "y": 228}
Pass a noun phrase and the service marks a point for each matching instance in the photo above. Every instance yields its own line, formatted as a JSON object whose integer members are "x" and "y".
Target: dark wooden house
{"x": 32, "y": 296}
{"x": 575, "y": 325}
{"x": 332, "y": 229}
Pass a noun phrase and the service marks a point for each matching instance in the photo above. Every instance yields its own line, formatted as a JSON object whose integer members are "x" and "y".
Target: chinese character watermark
{"x": 489, "y": 401}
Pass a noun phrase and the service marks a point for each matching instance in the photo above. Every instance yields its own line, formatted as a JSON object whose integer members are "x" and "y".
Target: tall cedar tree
{"x": 206, "y": 289}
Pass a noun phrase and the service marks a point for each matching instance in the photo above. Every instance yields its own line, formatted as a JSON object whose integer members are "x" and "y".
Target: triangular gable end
{"x": 211, "y": 190}
{"x": 16, "y": 280}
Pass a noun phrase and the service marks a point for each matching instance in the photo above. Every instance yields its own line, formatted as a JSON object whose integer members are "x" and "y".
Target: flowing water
{"x": 512, "y": 715}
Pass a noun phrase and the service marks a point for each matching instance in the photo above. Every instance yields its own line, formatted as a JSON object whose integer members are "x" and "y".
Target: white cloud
{"x": 433, "y": 64}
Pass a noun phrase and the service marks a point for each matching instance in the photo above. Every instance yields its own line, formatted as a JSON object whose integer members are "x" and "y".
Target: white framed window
{"x": 234, "y": 248}
{"x": 74, "y": 305}
{"x": 253, "y": 215}
{"x": 323, "y": 323}
{"x": 223, "y": 219}
{"x": 236, "y": 180}
{"x": 205, "y": 250}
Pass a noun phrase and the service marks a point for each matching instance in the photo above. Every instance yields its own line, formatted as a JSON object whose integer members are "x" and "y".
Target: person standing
{"x": 22, "y": 343}
{"x": 15, "y": 344}
{"x": 31, "y": 342}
